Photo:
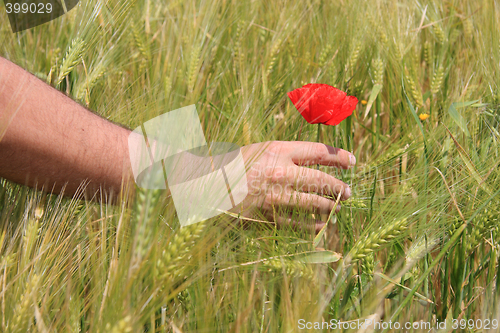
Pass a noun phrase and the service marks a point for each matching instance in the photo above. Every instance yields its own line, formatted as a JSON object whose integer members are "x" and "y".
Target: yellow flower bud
{"x": 423, "y": 116}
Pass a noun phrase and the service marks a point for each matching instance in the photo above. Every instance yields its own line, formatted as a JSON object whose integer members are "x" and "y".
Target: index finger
{"x": 310, "y": 153}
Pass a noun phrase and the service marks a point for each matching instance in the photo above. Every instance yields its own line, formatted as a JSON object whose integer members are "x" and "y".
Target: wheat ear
{"x": 72, "y": 58}
{"x": 375, "y": 240}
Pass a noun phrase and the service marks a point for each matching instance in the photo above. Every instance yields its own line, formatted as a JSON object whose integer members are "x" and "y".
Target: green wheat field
{"x": 418, "y": 242}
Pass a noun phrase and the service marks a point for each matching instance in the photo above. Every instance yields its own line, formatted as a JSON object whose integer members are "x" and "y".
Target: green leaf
{"x": 427, "y": 95}
{"x": 459, "y": 105}
{"x": 332, "y": 218}
{"x": 470, "y": 166}
{"x": 414, "y": 113}
{"x": 380, "y": 137}
{"x": 225, "y": 114}
{"x": 288, "y": 240}
{"x": 457, "y": 117}
{"x": 347, "y": 294}
{"x": 416, "y": 285}
{"x": 375, "y": 91}
{"x": 318, "y": 257}
{"x": 385, "y": 277}
{"x": 317, "y": 239}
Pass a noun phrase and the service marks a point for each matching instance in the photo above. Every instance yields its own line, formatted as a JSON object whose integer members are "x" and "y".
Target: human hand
{"x": 278, "y": 180}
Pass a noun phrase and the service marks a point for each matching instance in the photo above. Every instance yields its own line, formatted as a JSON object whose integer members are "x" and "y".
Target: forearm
{"x": 50, "y": 141}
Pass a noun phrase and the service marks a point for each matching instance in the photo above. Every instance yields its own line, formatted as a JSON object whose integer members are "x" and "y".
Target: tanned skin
{"x": 50, "y": 141}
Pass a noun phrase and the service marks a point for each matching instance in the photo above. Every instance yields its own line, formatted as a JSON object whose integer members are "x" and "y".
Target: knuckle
{"x": 273, "y": 146}
{"x": 320, "y": 151}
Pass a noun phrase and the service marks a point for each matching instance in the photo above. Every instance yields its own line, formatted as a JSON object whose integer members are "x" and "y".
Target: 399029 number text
{"x": 33, "y": 8}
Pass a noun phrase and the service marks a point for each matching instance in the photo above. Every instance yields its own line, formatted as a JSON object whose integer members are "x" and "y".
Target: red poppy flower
{"x": 322, "y": 103}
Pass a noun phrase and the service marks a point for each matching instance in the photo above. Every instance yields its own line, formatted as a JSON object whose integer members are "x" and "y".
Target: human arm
{"x": 48, "y": 140}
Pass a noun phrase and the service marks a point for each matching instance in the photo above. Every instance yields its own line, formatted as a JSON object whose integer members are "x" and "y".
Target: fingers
{"x": 307, "y": 202}
{"x": 311, "y": 153}
{"x": 314, "y": 181}
{"x": 309, "y": 225}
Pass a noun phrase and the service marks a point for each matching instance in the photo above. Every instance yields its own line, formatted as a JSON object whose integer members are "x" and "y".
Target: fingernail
{"x": 337, "y": 209}
{"x": 352, "y": 160}
{"x": 347, "y": 192}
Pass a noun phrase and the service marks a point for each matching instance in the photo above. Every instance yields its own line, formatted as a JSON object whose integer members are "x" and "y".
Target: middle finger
{"x": 314, "y": 181}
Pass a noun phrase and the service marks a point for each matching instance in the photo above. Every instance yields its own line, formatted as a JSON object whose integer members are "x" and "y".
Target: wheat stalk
{"x": 380, "y": 161}
{"x": 468, "y": 28}
{"x": 194, "y": 67}
{"x": 420, "y": 248}
{"x": 122, "y": 326}
{"x": 246, "y": 131}
{"x": 368, "y": 266}
{"x": 292, "y": 48}
{"x": 90, "y": 81}
{"x": 375, "y": 240}
{"x": 381, "y": 35}
{"x": 139, "y": 42}
{"x": 482, "y": 225}
{"x": 354, "y": 56}
{"x": 72, "y": 58}
{"x": 415, "y": 92}
{"x": 383, "y": 38}
{"x": 427, "y": 53}
{"x": 239, "y": 55}
{"x": 378, "y": 71}
{"x": 323, "y": 57}
{"x": 397, "y": 51}
{"x": 274, "y": 56}
{"x": 437, "y": 80}
{"x": 168, "y": 86}
{"x": 414, "y": 63}
{"x": 56, "y": 55}
{"x": 354, "y": 202}
{"x": 30, "y": 238}
{"x": 172, "y": 264}
{"x": 145, "y": 205}
{"x": 22, "y": 317}
{"x": 439, "y": 33}
{"x": 291, "y": 267}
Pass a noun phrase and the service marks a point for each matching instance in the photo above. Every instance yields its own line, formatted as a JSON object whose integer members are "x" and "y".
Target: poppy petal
{"x": 322, "y": 104}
